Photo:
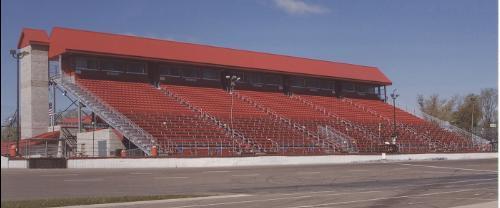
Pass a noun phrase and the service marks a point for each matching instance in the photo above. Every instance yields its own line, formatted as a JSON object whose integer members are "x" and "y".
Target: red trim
{"x": 48, "y": 135}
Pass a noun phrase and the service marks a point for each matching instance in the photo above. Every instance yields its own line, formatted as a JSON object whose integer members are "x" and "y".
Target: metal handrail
{"x": 447, "y": 125}
{"x": 333, "y": 134}
{"x": 207, "y": 115}
{"x": 420, "y": 136}
{"x": 328, "y": 113}
{"x": 114, "y": 113}
{"x": 282, "y": 119}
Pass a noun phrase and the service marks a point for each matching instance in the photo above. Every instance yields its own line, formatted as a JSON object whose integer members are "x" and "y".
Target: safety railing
{"x": 346, "y": 144}
{"x": 113, "y": 117}
{"x": 366, "y": 133}
{"x": 448, "y": 126}
{"x": 230, "y": 131}
{"x": 434, "y": 145}
{"x": 292, "y": 125}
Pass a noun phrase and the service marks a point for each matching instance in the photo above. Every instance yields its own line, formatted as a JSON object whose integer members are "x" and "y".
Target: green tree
{"x": 469, "y": 112}
{"x": 9, "y": 133}
{"x": 437, "y": 107}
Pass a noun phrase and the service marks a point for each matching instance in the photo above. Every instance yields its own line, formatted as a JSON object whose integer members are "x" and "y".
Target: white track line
{"x": 380, "y": 198}
{"x": 473, "y": 184}
{"x": 142, "y": 203}
{"x": 264, "y": 200}
{"x": 306, "y": 173}
{"x": 443, "y": 183}
{"x": 456, "y": 198}
{"x": 246, "y": 175}
{"x": 450, "y": 168}
{"x": 359, "y": 170}
{"x": 171, "y": 177}
{"x": 217, "y": 171}
{"x": 439, "y": 172}
{"x": 140, "y": 173}
{"x": 84, "y": 180}
{"x": 57, "y": 175}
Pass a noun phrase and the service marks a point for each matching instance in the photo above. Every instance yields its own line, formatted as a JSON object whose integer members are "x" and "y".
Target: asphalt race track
{"x": 467, "y": 183}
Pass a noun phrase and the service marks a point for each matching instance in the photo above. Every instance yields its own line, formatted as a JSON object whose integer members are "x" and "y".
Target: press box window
{"x": 108, "y": 65}
{"x": 366, "y": 89}
{"x": 297, "y": 82}
{"x": 169, "y": 71}
{"x": 209, "y": 74}
{"x": 83, "y": 63}
{"x": 136, "y": 68}
{"x": 189, "y": 73}
{"x": 348, "y": 87}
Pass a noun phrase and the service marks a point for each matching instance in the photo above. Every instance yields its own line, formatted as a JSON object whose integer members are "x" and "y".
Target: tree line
{"x": 475, "y": 113}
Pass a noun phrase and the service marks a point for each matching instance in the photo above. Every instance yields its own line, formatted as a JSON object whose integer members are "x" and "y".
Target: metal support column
{"x": 79, "y": 116}
{"x": 53, "y": 120}
{"x": 385, "y": 94}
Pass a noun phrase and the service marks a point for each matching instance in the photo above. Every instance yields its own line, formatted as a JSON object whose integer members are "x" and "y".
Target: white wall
{"x": 107, "y": 135}
{"x": 5, "y": 162}
{"x": 246, "y": 161}
{"x": 258, "y": 161}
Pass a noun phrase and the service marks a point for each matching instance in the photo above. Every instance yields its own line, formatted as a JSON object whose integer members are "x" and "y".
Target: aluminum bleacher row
{"x": 364, "y": 123}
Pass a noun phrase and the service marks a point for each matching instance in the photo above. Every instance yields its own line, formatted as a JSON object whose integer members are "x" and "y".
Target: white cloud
{"x": 300, "y": 7}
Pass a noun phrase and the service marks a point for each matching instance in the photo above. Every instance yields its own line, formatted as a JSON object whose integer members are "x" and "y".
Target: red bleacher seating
{"x": 368, "y": 123}
{"x": 247, "y": 119}
{"x": 159, "y": 115}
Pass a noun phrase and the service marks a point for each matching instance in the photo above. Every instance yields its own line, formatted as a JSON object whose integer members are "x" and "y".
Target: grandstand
{"x": 199, "y": 100}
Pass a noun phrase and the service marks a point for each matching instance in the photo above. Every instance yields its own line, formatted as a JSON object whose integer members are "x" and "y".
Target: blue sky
{"x": 426, "y": 46}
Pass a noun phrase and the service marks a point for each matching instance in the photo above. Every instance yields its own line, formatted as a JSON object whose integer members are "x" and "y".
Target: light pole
{"x": 18, "y": 56}
{"x": 394, "y": 95}
{"x": 93, "y": 141}
{"x": 472, "y": 121}
{"x": 232, "y": 83}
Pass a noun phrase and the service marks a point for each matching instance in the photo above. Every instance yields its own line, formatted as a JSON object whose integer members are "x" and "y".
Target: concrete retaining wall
{"x": 6, "y": 163}
{"x": 247, "y": 161}
{"x": 260, "y": 161}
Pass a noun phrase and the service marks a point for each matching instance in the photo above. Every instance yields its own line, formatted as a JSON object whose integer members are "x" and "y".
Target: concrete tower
{"x": 34, "y": 103}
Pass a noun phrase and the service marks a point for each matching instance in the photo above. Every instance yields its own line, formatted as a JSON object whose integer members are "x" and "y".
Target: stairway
{"x": 142, "y": 139}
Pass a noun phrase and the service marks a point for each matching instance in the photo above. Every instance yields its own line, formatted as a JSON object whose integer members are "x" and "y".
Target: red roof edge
{"x": 33, "y": 36}
{"x": 66, "y": 40}
{"x": 48, "y": 135}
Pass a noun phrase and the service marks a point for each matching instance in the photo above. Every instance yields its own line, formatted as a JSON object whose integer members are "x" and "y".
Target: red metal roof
{"x": 32, "y": 36}
{"x": 74, "y": 120}
{"x": 48, "y": 135}
{"x": 64, "y": 40}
